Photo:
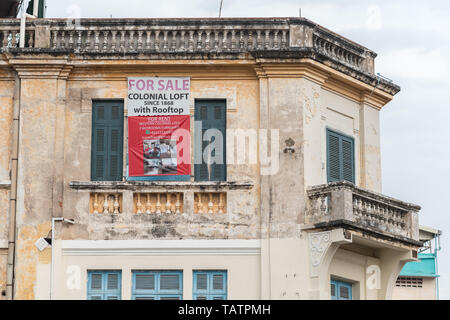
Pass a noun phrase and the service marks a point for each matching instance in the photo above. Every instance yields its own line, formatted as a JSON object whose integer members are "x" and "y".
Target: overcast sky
{"x": 412, "y": 42}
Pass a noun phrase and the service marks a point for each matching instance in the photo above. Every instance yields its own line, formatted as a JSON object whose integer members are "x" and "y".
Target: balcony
{"x": 342, "y": 204}
{"x": 165, "y": 210}
{"x": 227, "y": 38}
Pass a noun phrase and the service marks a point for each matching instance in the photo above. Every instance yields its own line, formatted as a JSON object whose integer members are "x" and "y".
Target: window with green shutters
{"x": 212, "y": 115}
{"x": 107, "y": 141}
{"x": 340, "y": 157}
{"x": 104, "y": 285}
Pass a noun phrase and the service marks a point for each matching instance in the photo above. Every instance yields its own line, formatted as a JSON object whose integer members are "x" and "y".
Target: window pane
{"x": 96, "y": 281}
{"x": 145, "y": 282}
{"x": 217, "y": 282}
{"x": 169, "y": 282}
{"x": 202, "y": 281}
{"x": 113, "y": 281}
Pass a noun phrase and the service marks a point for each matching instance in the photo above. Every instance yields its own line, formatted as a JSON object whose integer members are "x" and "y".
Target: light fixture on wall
{"x": 289, "y": 148}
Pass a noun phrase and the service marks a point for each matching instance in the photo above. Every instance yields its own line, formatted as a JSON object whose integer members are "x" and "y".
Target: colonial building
{"x": 293, "y": 209}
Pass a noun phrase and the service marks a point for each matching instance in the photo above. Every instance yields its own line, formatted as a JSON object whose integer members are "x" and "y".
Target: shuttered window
{"x": 212, "y": 114}
{"x": 107, "y": 141}
{"x": 104, "y": 285}
{"x": 210, "y": 285}
{"x": 341, "y": 290}
{"x": 157, "y": 285}
{"x": 340, "y": 157}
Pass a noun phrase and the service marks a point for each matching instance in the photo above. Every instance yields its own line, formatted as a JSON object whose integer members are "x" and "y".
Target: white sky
{"x": 412, "y": 42}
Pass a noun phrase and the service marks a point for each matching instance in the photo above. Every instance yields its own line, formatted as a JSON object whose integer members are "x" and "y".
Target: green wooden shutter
{"x": 340, "y": 157}
{"x": 107, "y": 141}
{"x": 212, "y": 114}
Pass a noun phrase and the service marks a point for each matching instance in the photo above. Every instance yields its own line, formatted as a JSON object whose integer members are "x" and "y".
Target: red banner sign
{"x": 159, "y": 129}
{"x": 159, "y": 146}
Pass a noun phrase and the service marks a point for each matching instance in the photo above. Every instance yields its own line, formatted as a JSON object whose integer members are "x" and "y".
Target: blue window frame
{"x": 210, "y": 285}
{"x": 157, "y": 285}
{"x": 341, "y": 290}
{"x": 104, "y": 285}
{"x": 340, "y": 157}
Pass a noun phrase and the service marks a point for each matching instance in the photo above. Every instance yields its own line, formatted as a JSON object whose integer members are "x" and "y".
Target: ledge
{"x": 350, "y": 225}
{"x": 5, "y": 184}
{"x": 159, "y": 247}
{"x": 166, "y": 185}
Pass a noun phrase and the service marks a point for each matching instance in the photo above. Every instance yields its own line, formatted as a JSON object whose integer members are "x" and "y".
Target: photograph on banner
{"x": 159, "y": 128}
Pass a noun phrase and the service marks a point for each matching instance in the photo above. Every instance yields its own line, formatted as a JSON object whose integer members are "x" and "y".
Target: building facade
{"x": 295, "y": 212}
{"x": 419, "y": 280}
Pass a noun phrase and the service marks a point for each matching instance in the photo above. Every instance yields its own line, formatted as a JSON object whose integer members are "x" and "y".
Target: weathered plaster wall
{"x": 242, "y": 217}
{"x": 6, "y": 117}
{"x": 35, "y": 177}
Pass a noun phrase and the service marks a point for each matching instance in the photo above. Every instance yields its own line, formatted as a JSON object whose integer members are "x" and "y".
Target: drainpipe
{"x": 13, "y": 191}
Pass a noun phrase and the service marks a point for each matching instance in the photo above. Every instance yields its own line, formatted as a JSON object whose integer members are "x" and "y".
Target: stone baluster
{"x": 88, "y": 44}
{"x": 174, "y": 40}
{"x": 139, "y": 204}
{"x": 110, "y": 203}
{"x": 105, "y": 40}
{"x": 267, "y": 39}
{"x": 258, "y": 39}
{"x": 323, "y": 204}
{"x": 283, "y": 39}
{"x": 80, "y": 34}
{"x": 70, "y": 38}
{"x": 122, "y": 40}
{"x": 139, "y": 41}
{"x": 210, "y": 203}
{"x": 221, "y": 204}
{"x": 54, "y": 39}
{"x": 216, "y": 40}
{"x": 158, "y": 203}
{"x": 168, "y": 204}
{"x": 95, "y": 204}
{"x": 165, "y": 40}
{"x": 96, "y": 40}
{"x": 156, "y": 45}
{"x": 148, "y": 39}
{"x": 105, "y": 203}
{"x": 191, "y": 40}
{"x": 131, "y": 34}
{"x": 276, "y": 44}
{"x": 114, "y": 40}
{"x": 250, "y": 42}
{"x": 233, "y": 39}
{"x": 182, "y": 40}
{"x": 199, "y": 204}
{"x": 225, "y": 45}
{"x": 30, "y": 39}
{"x": 178, "y": 204}
{"x": 241, "y": 39}
{"x": 199, "y": 39}
{"x": 207, "y": 42}
{"x": 116, "y": 203}
{"x": 148, "y": 205}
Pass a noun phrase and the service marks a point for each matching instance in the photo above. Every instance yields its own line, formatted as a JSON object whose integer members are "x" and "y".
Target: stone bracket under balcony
{"x": 343, "y": 205}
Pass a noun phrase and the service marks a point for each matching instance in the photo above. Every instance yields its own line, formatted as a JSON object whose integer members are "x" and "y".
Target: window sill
{"x": 158, "y": 185}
